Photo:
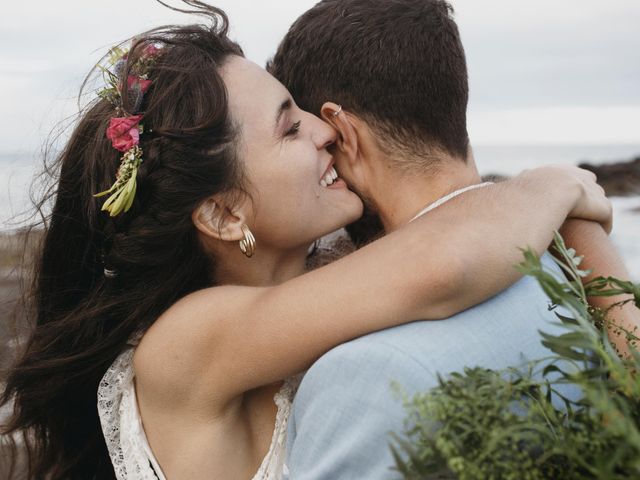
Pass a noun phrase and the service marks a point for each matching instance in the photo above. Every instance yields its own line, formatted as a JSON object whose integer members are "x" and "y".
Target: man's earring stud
{"x": 337, "y": 112}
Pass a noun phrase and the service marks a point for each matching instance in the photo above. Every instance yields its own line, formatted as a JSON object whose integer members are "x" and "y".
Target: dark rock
{"x": 618, "y": 179}
{"x": 494, "y": 177}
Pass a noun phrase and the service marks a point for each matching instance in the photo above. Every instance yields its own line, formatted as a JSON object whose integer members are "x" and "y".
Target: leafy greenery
{"x": 514, "y": 424}
{"x": 114, "y": 60}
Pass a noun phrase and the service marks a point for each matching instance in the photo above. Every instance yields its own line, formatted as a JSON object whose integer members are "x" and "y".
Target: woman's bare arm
{"x": 228, "y": 340}
{"x": 600, "y": 256}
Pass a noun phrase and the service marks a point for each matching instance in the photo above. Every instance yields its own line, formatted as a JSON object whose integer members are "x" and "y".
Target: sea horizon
{"x": 17, "y": 170}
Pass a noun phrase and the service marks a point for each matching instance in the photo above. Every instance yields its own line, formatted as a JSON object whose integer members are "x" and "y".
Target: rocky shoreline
{"x": 621, "y": 179}
{"x": 14, "y": 247}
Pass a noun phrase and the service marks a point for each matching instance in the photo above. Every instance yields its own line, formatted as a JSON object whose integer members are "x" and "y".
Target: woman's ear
{"x": 347, "y": 141}
{"x": 215, "y": 220}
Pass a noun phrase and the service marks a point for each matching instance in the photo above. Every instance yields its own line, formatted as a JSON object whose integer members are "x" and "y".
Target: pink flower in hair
{"x": 142, "y": 83}
{"x": 151, "y": 50}
{"x": 123, "y": 132}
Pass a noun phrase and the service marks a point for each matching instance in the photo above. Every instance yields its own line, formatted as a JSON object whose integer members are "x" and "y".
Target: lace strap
{"x": 126, "y": 441}
{"x": 121, "y": 424}
{"x": 273, "y": 466}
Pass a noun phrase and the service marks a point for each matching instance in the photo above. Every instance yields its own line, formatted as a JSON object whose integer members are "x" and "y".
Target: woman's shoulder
{"x": 195, "y": 315}
{"x": 178, "y": 351}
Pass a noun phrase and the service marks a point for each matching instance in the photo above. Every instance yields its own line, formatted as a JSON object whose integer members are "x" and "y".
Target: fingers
{"x": 608, "y": 226}
{"x": 592, "y": 203}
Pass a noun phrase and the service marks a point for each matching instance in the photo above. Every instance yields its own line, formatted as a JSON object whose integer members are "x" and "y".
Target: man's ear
{"x": 347, "y": 141}
{"x": 215, "y": 220}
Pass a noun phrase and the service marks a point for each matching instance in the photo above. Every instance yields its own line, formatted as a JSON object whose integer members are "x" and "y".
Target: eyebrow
{"x": 284, "y": 106}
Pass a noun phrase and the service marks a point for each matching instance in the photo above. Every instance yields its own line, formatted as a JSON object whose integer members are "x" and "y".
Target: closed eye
{"x": 295, "y": 128}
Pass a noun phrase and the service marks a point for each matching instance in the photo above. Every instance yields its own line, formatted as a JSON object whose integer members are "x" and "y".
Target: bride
{"x": 169, "y": 317}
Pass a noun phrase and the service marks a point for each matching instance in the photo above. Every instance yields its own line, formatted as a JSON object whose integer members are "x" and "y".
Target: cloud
{"x": 555, "y": 125}
{"x": 549, "y": 53}
{"x": 540, "y": 57}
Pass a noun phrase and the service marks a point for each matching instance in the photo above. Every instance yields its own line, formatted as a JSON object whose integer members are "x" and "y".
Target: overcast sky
{"x": 540, "y": 72}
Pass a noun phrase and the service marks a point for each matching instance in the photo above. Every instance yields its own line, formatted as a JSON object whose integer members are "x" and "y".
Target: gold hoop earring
{"x": 248, "y": 242}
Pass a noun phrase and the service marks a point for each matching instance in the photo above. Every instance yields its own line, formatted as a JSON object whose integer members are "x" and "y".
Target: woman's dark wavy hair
{"x": 82, "y": 319}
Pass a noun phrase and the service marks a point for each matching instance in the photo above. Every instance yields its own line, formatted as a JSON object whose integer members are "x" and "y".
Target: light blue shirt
{"x": 345, "y": 406}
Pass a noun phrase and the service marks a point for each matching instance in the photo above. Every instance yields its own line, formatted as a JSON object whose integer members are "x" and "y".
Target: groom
{"x": 398, "y": 69}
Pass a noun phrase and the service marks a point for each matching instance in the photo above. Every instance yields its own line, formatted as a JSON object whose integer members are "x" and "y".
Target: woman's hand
{"x": 590, "y": 202}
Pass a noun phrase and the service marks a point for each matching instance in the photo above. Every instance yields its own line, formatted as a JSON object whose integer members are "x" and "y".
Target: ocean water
{"x": 16, "y": 179}
{"x": 509, "y": 160}
{"x": 17, "y": 170}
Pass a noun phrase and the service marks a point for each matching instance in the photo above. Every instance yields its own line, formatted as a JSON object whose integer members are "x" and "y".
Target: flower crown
{"x": 125, "y": 129}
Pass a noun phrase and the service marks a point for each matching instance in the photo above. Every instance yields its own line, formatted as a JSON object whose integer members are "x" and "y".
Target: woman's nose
{"x": 324, "y": 135}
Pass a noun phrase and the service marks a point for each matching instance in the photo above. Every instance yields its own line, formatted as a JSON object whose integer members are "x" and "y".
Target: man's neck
{"x": 399, "y": 197}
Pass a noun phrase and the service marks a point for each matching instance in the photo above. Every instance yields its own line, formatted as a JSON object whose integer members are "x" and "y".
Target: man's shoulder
{"x": 366, "y": 368}
{"x": 501, "y": 332}
{"x": 383, "y": 346}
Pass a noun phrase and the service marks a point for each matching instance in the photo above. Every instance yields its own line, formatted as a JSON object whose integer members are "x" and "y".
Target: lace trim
{"x": 121, "y": 423}
{"x": 126, "y": 441}
{"x": 273, "y": 466}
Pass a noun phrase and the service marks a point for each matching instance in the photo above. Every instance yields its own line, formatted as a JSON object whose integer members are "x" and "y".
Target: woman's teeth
{"x": 329, "y": 178}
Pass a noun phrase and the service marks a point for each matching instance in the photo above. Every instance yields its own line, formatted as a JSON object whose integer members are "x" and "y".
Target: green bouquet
{"x": 514, "y": 424}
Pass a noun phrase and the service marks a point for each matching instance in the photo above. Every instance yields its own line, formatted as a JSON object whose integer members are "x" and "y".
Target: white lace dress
{"x": 127, "y": 443}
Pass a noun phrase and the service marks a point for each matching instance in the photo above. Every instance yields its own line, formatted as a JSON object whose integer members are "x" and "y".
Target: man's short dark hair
{"x": 398, "y": 64}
